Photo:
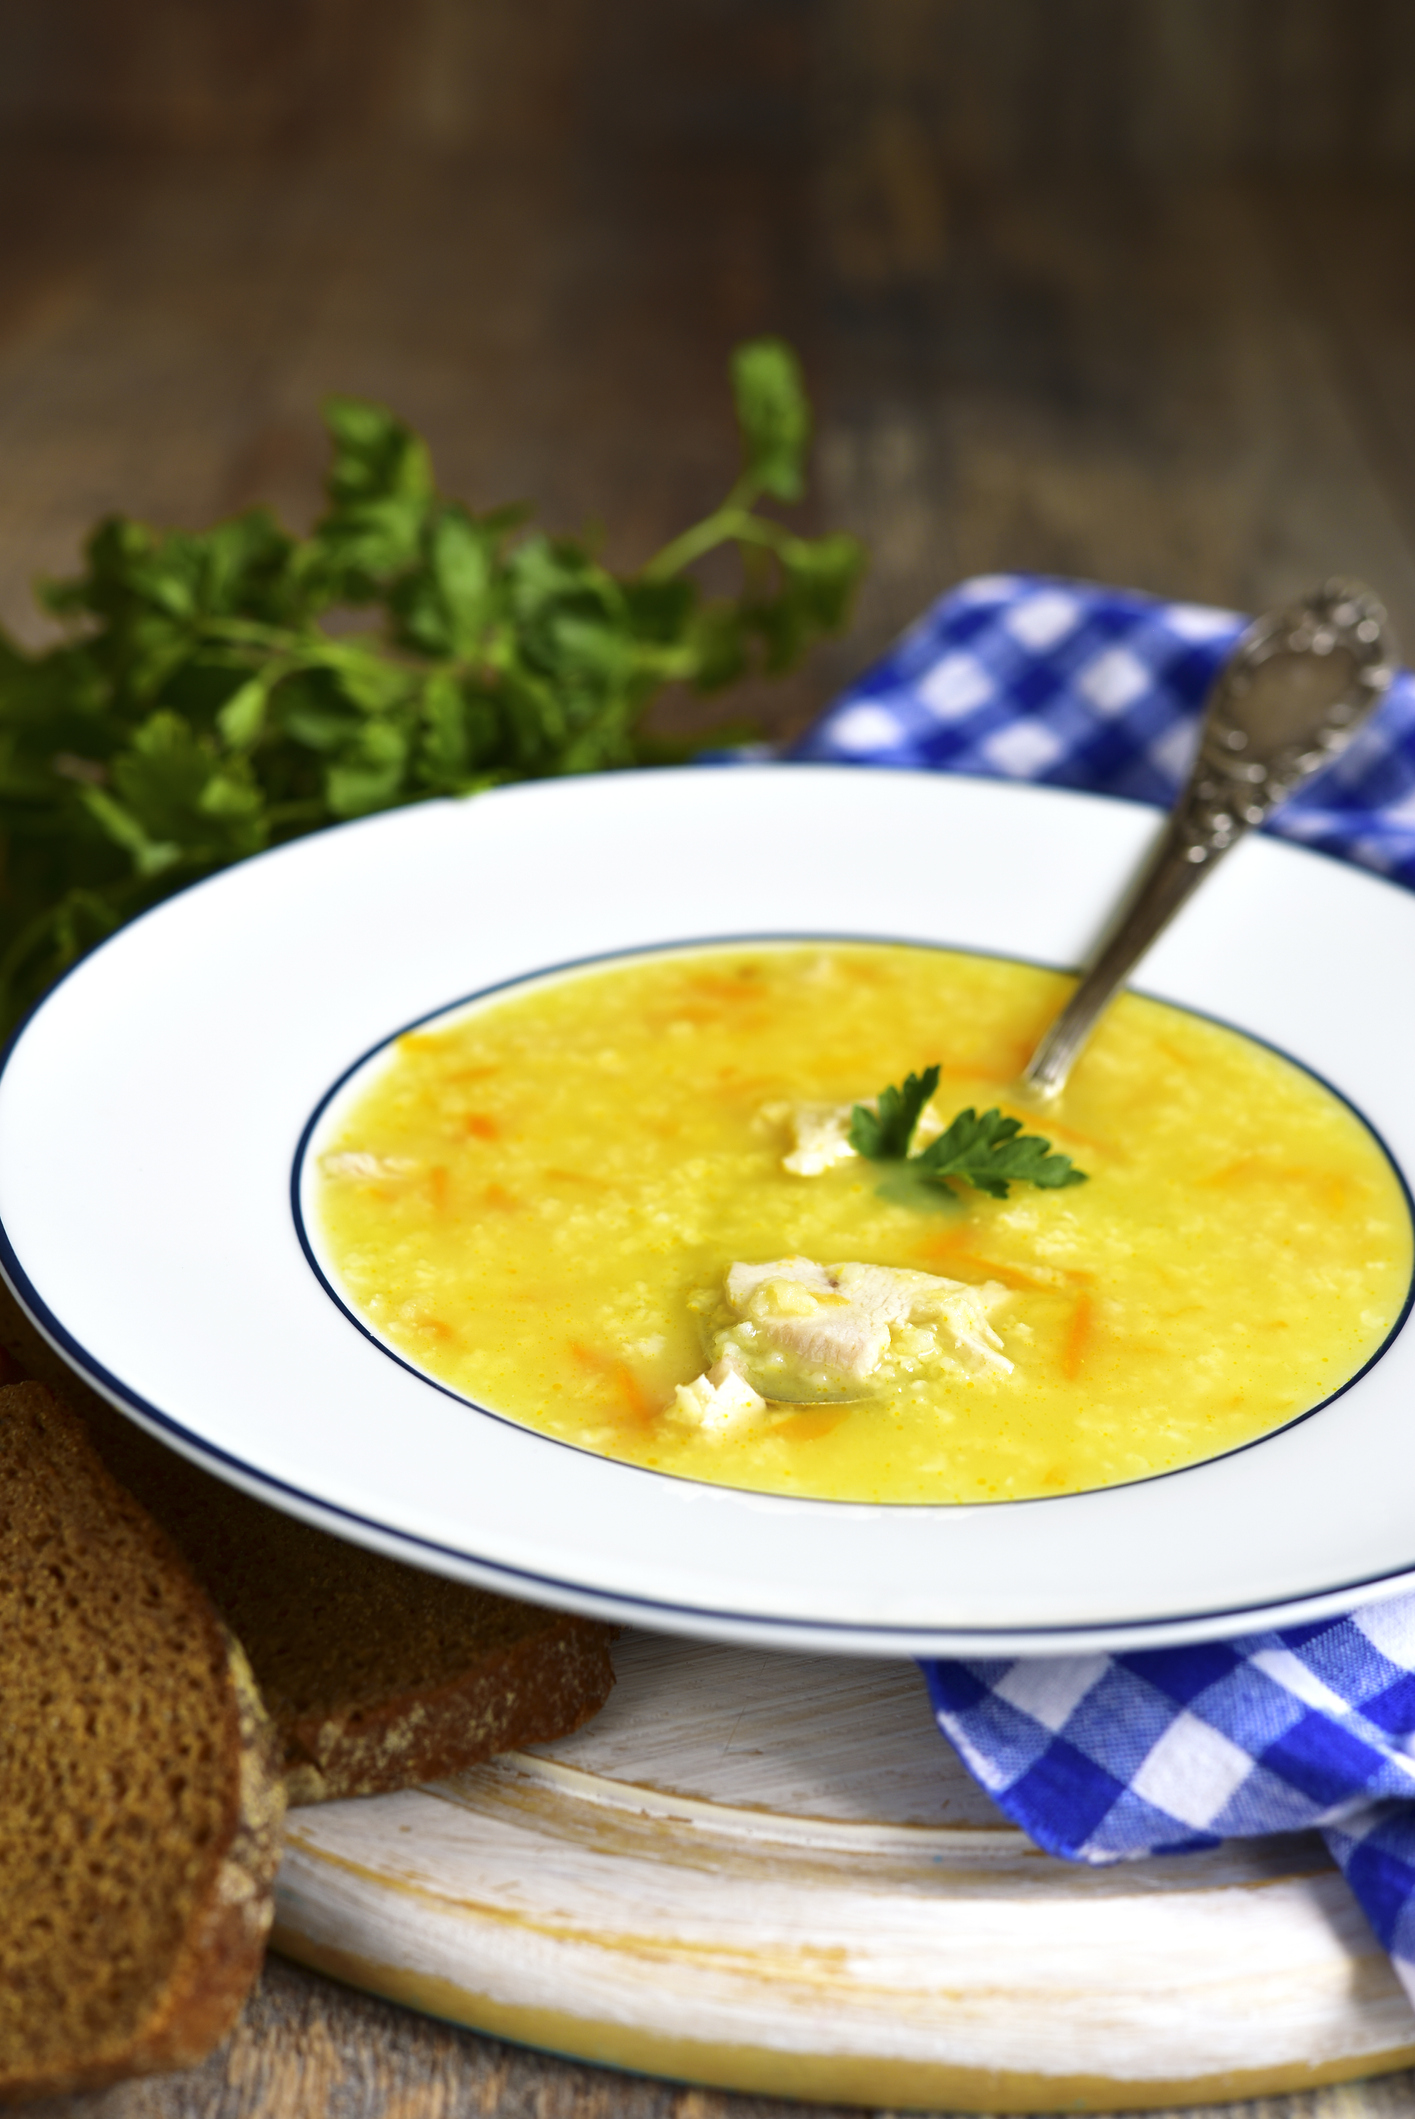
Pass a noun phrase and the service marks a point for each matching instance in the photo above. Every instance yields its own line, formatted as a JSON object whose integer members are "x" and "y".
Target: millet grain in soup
{"x": 539, "y": 1199}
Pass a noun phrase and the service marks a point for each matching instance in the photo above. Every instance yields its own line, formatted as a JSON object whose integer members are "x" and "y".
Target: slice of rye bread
{"x": 140, "y": 1799}
{"x": 376, "y": 1675}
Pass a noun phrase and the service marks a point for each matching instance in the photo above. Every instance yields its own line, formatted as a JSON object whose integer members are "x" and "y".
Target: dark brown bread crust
{"x": 375, "y": 1674}
{"x": 140, "y": 1803}
{"x": 539, "y": 1687}
{"x": 225, "y": 1946}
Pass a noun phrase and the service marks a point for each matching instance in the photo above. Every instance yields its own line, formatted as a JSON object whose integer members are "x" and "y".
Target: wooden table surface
{"x": 307, "y": 2049}
{"x": 1201, "y": 387}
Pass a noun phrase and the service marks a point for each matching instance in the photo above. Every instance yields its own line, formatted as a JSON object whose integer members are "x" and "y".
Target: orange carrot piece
{"x": 632, "y": 1401}
{"x": 949, "y": 1251}
{"x": 810, "y": 1426}
{"x": 1080, "y": 1337}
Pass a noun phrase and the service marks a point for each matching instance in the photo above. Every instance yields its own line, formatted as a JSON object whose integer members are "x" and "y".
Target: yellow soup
{"x": 541, "y": 1203}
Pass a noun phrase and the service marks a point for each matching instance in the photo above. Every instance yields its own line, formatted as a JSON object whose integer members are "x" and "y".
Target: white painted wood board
{"x": 770, "y": 1873}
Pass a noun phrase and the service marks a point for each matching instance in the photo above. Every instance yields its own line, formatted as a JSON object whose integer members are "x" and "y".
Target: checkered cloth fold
{"x": 1019, "y": 677}
{"x": 1102, "y": 1758}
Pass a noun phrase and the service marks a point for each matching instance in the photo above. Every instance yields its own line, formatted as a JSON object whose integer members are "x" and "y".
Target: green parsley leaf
{"x": 774, "y": 416}
{"x": 209, "y": 699}
{"x": 884, "y": 1134}
{"x": 376, "y": 458}
{"x": 992, "y": 1152}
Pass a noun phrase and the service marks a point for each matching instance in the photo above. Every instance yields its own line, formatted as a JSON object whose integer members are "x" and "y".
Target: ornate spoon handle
{"x": 1289, "y": 699}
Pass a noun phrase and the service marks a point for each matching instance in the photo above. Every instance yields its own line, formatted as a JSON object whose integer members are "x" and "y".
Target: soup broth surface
{"x": 538, "y": 1200}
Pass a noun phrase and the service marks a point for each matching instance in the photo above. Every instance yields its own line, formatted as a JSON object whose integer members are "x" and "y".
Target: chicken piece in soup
{"x": 622, "y": 1206}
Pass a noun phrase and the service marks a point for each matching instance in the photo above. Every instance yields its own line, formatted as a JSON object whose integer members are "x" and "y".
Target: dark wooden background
{"x": 1120, "y": 288}
{"x": 1114, "y": 287}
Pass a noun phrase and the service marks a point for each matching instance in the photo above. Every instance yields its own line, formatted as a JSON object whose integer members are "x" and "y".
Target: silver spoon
{"x": 1295, "y": 690}
{"x": 823, "y": 1400}
{"x": 791, "y": 1393}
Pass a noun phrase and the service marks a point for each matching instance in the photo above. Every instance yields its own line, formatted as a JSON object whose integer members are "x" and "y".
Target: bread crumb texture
{"x": 139, "y": 1805}
{"x": 376, "y": 1675}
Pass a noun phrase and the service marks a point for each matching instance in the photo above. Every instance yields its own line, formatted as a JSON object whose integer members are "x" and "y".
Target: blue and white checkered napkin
{"x": 1103, "y": 1758}
{"x": 1018, "y": 677}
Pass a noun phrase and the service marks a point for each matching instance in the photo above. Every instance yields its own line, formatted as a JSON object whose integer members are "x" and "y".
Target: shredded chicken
{"x": 838, "y": 1322}
{"x": 820, "y": 1134}
{"x": 721, "y": 1398}
{"x": 840, "y": 1317}
{"x": 357, "y": 1162}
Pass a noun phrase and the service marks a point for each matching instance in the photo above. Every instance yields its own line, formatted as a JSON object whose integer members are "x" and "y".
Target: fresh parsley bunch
{"x": 204, "y": 706}
{"x": 990, "y": 1153}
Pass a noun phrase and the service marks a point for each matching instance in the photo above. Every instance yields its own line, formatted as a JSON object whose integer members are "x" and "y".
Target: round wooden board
{"x": 769, "y": 1873}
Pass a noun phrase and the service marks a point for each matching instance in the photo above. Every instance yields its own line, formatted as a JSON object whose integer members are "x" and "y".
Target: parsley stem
{"x": 732, "y": 523}
{"x": 232, "y": 688}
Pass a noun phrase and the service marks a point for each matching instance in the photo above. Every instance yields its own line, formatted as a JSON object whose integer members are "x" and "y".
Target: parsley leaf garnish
{"x": 884, "y": 1134}
{"x": 990, "y": 1153}
{"x": 209, "y": 697}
